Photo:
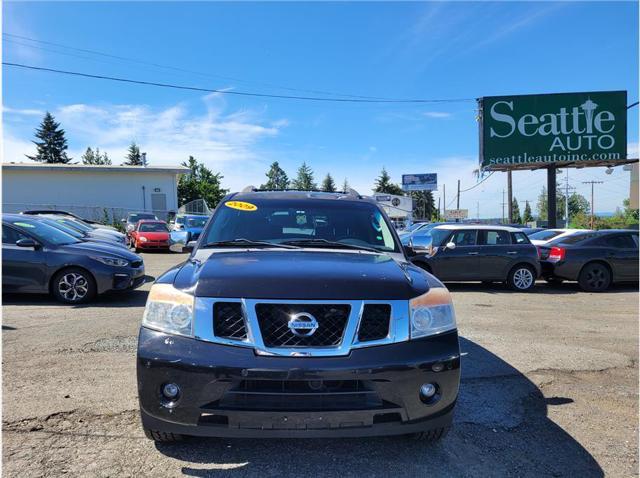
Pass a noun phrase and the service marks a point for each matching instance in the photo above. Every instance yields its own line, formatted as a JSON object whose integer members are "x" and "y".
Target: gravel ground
{"x": 549, "y": 388}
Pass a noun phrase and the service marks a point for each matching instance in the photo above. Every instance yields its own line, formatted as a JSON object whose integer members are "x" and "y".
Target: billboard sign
{"x": 452, "y": 214}
{"x": 420, "y": 182}
{"x": 530, "y": 131}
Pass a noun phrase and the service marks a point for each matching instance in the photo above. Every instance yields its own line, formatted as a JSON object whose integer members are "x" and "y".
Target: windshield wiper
{"x": 332, "y": 244}
{"x": 247, "y": 242}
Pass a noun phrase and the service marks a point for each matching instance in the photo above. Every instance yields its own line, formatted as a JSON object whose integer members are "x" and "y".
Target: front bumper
{"x": 119, "y": 278}
{"x": 230, "y": 391}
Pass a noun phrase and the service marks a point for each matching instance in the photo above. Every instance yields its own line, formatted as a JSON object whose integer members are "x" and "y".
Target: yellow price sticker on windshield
{"x": 241, "y": 206}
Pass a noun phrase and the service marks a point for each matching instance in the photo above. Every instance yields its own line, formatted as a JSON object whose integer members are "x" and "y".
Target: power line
{"x": 478, "y": 183}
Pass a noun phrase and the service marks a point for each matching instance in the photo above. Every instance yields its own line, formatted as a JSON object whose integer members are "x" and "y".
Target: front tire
{"x": 162, "y": 437}
{"x": 521, "y": 278}
{"x": 73, "y": 286}
{"x": 595, "y": 277}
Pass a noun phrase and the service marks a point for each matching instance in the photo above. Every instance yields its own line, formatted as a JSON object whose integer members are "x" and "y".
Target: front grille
{"x": 374, "y": 324}
{"x": 300, "y": 395}
{"x": 228, "y": 321}
{"x": 274, "y": 318}
{"x": 136, "y": 264}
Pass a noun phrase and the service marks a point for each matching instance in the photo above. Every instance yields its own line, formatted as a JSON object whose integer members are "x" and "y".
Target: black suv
{"x": 457, "y": 252}
{"x": 297, "y": 314}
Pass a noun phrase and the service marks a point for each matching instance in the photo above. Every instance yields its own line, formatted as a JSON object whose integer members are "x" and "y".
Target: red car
{"x": 149, "y": 234}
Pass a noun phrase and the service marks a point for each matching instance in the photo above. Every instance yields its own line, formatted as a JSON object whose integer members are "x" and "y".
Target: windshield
{"x": 278, "y": 221}
{"x": 133, "y": 218}
{"x": 44, "y": 232}
{"x": 69, "y": 230}
{"x": 196, "y": 221}
{"x": 153, "y": 227}
{"x": 544, "y": 235}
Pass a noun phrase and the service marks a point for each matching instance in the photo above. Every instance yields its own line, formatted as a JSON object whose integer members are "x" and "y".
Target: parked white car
{"x": 547, "y": 235}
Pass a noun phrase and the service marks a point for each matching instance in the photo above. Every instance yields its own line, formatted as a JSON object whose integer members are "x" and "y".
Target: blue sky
{"x": 402, "y": 50}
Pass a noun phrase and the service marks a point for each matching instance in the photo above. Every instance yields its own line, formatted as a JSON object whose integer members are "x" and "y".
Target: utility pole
{"x": 439, "y": 216}
{"x": 444, "y": 202}
{"x": 566, "y": 199}
{"x": 503, "y": 204}
{"x": 551, "y": 197}
{"x": 478, "y": 210}
{"x": 509, "y": 197}
{"x": 458, "y": 199}
{"x": 592, "y": 208}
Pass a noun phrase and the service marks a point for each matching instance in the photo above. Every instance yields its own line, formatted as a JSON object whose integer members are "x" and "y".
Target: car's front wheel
{"x": 595, "y": 277}
{"x": 73, "y": 286}
{"x": 521, "y": 278}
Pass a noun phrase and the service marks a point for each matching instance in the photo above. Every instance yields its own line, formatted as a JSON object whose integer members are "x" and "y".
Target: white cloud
{"x": 437, "y": 114}
{"x": 227, "y": 142}
{"x": 22, "y": 112}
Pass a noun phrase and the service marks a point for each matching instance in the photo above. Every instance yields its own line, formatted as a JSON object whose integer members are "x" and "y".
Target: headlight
{"x": 143, "y": 239}
{"x": 432, "y": 313}
{"x": 111, "y": 261}
{"x": 169, "y": 310}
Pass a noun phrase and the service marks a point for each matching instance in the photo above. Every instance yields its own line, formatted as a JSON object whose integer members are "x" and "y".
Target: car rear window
{"x": 544, "y": 235}
{"x": 520, "y": 238}
{"x": 575, "y": 238}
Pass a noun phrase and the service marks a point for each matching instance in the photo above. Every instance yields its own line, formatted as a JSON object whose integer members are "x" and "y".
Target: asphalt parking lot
{"x": 549, "y": 388}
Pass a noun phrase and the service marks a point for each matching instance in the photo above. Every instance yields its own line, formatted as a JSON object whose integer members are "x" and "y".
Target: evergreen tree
{"x": 277, "y": 178}
{"x": 578, "y": 204}
{"x": 423, "y": 204}
{"x": 304, "y": 181}
{"x": 328, "y": 185}
{"x": 384, "y": 185}
{"x": 94, "y": 157}
{"x": 52, "y": 144}
{"x": 515, "y": 212}
{"x": 345, "y": 186}
{"x": 527, "y": 217}
{"x": 134, "y": 157}
{"x": 200, "y": 183}
{"x": 542, "y": 205}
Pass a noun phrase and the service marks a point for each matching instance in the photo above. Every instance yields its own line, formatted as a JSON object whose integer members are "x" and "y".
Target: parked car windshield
{"x": 196, "y": 221}
{"x": 133, "y": 218}
{"x": 153, "y": 227}
{"x": 69, "y": 230}
{"x": 279, "y": 221}
{"x": 44, "y": 232}
{"x": 77, "y": 225}
{"x": 546, "y": 235}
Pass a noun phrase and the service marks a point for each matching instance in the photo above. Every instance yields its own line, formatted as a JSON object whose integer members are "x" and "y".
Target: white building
{"x": 93, "y": 192}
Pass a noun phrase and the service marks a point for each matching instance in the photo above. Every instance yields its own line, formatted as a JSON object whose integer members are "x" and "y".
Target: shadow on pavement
{"x": 132, "y": 298}
{"x": 501, "y": 428}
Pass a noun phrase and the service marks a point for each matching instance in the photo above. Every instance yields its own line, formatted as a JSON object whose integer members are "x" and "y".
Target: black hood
{"x": 285, "y": 274}
{"x": 94, "y": 248}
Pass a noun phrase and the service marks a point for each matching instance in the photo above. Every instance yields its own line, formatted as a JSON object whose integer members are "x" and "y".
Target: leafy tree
{"x": 51, "y": 145}
{"x": 515, "y": 212}
{"x": 304, "y": 181}
{"x": 542, "y": 204}
{"x": 200, "y": 183}
{"x": 384, "y": 185}
{"x": 328, "y": 185}
{"x": 578, "y": 204}
{"x": 345, "y": 186}
{"x": 134, "y": 157}
{"x": 424, "y": 206}
{"x": 94, "y": 157}
{"x": 276, "y": 178}
{"x": 527, "y": 216}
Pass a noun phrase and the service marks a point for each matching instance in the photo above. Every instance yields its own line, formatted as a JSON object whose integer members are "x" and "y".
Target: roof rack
{"x": 252, "y": 189}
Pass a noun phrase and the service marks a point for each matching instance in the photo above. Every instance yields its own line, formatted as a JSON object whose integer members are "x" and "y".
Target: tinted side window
{"x": 496, "y": 238}
{"x": 520, "y": 238}
{"x": 10, "y": 235}
{"x": 620, "y": 241}
{"x": 465, "y": 238}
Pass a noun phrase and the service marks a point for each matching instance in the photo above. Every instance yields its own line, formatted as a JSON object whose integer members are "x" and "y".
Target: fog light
{"x": 428, "y": 390}
{"x": 171, "y": 391}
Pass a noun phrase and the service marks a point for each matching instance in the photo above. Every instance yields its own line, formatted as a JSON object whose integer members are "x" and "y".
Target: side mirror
{"x": 421, "y": 243}
{"x": 123, "y": 220}
{"x": 189, "y": 246}
{"x": 27, "y": 243}
{"x": 450, "y": 245}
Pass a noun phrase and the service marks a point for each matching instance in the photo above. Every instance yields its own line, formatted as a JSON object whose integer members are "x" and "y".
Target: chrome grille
{"x": 228, "y": 321}
{"x": 374, "y": 324}
{"x": 273, "y": 320}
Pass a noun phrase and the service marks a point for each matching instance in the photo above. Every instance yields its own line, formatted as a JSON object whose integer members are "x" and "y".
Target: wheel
{"x": 430, "y": 436}
{"x": 73, "y": 286}
{"x": 521, "y": 278}
{"x": 594, "y": 277}
{"x": 162, "y": 437}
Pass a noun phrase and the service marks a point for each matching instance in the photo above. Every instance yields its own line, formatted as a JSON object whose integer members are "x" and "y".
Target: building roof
{"x": 94, "y": 168}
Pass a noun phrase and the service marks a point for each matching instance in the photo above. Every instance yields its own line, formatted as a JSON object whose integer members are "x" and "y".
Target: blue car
{"x": 192, "y": 224}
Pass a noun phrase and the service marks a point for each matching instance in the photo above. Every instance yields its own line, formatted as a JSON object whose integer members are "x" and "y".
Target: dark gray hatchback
{"x": 458, "y": 252}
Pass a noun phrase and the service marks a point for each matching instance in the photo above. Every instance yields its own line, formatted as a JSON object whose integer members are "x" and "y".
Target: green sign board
{"x": 531, "y": 131}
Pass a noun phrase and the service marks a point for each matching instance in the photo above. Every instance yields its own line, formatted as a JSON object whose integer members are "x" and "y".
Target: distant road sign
{"x": 456, "y": 214}
{"x": 420, "y": 182}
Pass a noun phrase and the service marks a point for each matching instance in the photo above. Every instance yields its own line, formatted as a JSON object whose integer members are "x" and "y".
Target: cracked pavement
{"x": 549, "y": 388}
